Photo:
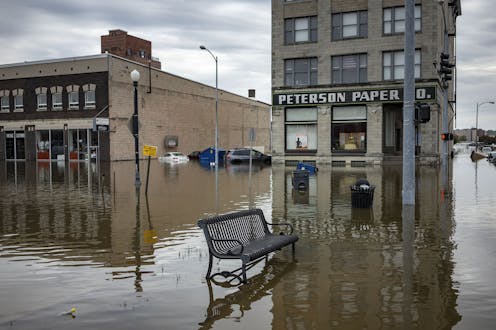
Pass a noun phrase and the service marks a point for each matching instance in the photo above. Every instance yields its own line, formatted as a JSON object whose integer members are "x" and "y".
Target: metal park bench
{"x": 243, "y": 235}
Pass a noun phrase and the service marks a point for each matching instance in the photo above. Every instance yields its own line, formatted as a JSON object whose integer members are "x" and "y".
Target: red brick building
{"x": 119, "y": 43}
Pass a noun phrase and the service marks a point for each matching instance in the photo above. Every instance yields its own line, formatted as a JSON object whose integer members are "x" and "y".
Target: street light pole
{"x": 135, "y": 76}
{"x": 216, "y": 107}
{"x": 477, "y": 123}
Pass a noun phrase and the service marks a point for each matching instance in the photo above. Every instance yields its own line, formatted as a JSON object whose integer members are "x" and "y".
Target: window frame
{"x": 5, "y": 106}
{"x": 40, "y": 104}
{"x": 337, "y": 26}
{"x": 392, "y": 66}
{"x": 56, "y": 105}
{"x": 311, "y": 72}
{"x": 349, "y": 125}
{"x": 311, "y": 123}
{"x": 337, "y": 71}
{"x": 393, "y": 21}
{"x": 90, "y": 103}
{"x": 19, "y": 106}
{"x": 73, "y": 105}
{"x": 290, "y": 30}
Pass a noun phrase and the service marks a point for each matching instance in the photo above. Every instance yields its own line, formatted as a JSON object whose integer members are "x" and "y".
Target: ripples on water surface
{"x": 83, "y": 237}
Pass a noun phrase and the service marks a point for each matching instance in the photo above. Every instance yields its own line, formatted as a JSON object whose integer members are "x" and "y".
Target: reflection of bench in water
{"x": 259, "y": 286}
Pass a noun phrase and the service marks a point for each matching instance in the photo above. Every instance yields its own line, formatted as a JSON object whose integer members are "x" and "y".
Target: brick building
{"x": 337, "y": 79}
{"x": 119, "y": 43}
{"x": 80, "y": 108}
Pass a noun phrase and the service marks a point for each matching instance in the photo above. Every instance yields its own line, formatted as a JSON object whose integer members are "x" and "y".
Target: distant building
{"x": 119, "y": 43}
{"x": 79, "y": 108}
{"x": 337, "y": 79}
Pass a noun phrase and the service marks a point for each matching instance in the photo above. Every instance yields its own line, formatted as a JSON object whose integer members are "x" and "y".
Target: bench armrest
{"x": 231, "y": 240}
{"x": 283, "y": 224}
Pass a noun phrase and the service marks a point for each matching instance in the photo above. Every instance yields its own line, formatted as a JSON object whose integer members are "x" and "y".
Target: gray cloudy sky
{"x": 237, "y": 31}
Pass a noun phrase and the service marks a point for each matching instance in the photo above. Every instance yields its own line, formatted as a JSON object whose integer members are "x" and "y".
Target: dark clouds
{"x": 237, "y": 31}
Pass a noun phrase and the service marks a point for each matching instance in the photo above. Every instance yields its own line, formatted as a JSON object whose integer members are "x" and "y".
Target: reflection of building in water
{"x": 350, "y": 271}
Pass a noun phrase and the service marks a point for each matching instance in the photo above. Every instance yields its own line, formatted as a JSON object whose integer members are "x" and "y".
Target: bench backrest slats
{"x": 244, "y": 226}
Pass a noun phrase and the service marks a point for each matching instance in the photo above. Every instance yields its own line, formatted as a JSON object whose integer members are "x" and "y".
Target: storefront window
{"x": 43, "y": 144}
{"x": 301, "y": 129}
{"x": 349, "y": 129}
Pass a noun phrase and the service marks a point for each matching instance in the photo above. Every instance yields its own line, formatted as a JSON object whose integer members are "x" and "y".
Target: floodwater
{"x": 83, "y": 237}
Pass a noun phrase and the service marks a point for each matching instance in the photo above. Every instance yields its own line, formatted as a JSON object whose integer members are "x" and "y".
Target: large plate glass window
{"x": 300, "y": 72}
{"x": 348, "y": 69}
{"x": 393, "y": 65}
{"x": 394, "y": 19}
{"x": 301, "y": 129}
{"x": 349, "y": 25}
{"x": 349, "y": 129}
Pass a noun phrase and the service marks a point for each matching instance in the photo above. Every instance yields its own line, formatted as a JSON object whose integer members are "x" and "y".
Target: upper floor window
{"x": 56, "y": 97}
{"x": 73, "y": 96}
{"x": 348, "y": 69}
{"x": 394, "y": 19}
{"x": 41, "y": 98}
{"x": 301, "y": 29}
{"x": 89, "y": 96}
{"x": 393, "y": 65}
{"x": 18, "y": 100}
{"x": 300, "y": 71}
{"x": 349, "y": 25}
{"x": 4, "y": 101}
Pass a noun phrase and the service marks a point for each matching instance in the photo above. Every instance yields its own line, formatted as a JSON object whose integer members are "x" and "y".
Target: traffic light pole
{"x": 408, "y": 191}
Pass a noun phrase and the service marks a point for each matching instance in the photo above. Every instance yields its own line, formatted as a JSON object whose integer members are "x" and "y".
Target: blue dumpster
{"x": 208, "y": 155}
{"x": 308, "y": 167}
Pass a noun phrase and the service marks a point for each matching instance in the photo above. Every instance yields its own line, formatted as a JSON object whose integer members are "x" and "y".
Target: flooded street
{"x": 83, "y": 237}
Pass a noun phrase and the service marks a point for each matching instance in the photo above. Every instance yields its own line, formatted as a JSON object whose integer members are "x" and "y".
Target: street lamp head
{"x": 203, "y": 47}
{"x": 135, "y": 75}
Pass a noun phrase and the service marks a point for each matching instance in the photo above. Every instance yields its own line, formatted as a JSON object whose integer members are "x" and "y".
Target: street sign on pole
{"x": 150, "y": 151}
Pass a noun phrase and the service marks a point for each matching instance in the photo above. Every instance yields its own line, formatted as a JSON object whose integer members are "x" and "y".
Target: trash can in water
{"x": 300, "y": 179}
{"x": 362, "y": 194}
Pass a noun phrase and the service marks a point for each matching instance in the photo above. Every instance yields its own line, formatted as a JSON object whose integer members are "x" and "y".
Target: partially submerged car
{"x": 242, "y": 155}
{"x": 173, "y": 157}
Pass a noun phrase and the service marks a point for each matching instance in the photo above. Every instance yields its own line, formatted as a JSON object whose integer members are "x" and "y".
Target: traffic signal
{"x": 422, "y": 112}
{"x": 445, "y": 67}
{"x": 446, "y": 136}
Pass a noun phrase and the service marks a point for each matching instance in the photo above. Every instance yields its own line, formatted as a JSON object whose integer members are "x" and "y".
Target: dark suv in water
{"x": 242, "y": 155}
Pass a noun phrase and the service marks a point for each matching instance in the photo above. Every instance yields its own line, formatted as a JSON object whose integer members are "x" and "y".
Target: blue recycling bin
{"x": 307, "y": 167}
{"x": 208, "y": 155}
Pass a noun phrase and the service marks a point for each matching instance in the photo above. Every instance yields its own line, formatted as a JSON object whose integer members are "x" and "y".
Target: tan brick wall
{"x": 180, "y": 107}
{"x": 429, "y": 40}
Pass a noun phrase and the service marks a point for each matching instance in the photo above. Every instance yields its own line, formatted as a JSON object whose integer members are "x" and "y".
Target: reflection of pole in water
{"x": 216, "y": 189}
{"x": 408, "y": 236}
{"x": 137, "y": 244}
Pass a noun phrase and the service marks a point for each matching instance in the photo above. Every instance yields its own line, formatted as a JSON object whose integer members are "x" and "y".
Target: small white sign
{"x": 101, "y": 121}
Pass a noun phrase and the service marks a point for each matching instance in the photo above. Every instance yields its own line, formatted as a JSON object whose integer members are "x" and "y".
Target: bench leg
{"x": 209, "y": 266}
{"x": 243, "y": 268}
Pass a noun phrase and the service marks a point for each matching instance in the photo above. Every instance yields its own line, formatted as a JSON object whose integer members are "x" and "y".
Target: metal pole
{"x": 476, "y": 126}
{"x": 408, "y": 192}
{"x": 135, "y": 133}
{"x": 444, "y": 159}
{"x": 216, "y": 115}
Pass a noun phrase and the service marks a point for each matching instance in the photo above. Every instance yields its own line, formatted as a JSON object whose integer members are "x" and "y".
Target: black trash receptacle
{"x": 362, "y": 194}
{"x": 300, "y": 179}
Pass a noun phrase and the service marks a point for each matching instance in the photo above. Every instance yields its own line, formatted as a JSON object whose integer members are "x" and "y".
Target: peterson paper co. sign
{"x": 352, "y": 96}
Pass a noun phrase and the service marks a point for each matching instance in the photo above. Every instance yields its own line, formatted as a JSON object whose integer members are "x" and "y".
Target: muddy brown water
{"x": 82, "y": 236}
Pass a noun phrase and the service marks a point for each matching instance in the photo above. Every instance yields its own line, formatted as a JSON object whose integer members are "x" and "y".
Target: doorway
{"x": 393, "y": 129}
{"x": 15, "y": 145}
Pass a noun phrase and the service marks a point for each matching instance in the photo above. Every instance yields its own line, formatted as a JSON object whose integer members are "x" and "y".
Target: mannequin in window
{"x": 298, "y": 143}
